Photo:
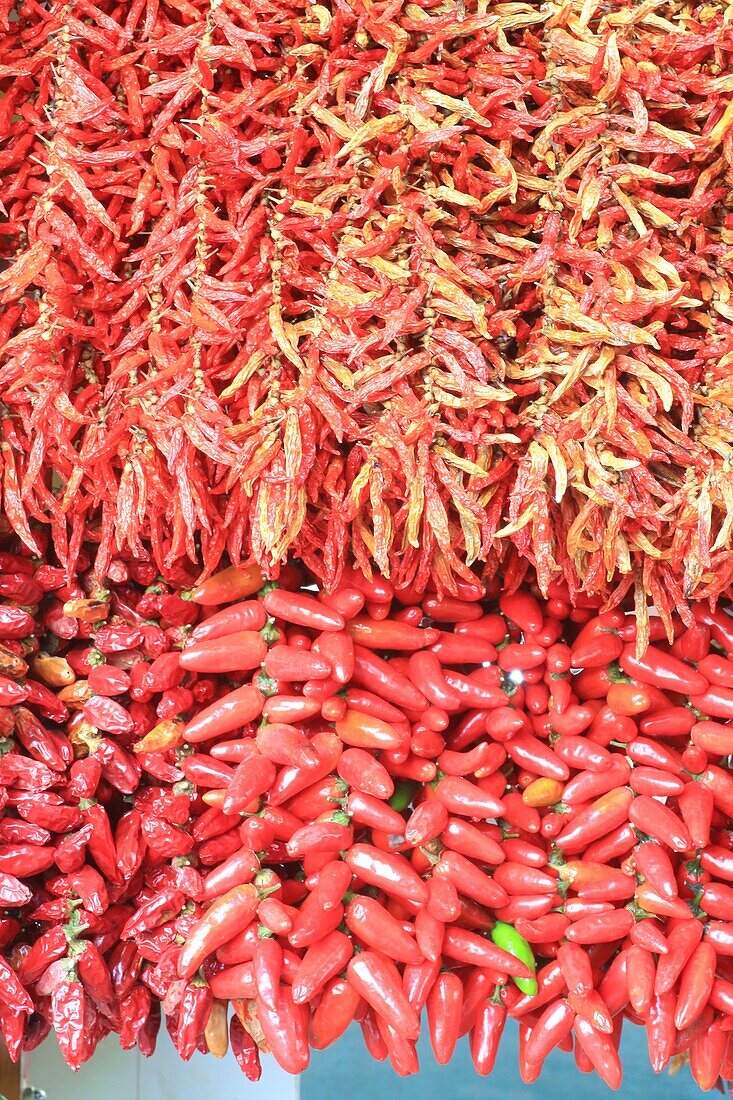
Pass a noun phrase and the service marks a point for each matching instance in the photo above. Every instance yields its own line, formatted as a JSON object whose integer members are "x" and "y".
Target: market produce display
{"x": 260, "y": 812}
{"x": 366, "y": 585}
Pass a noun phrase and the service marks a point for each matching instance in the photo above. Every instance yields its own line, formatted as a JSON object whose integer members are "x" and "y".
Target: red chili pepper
{"x": 418, "y": 981}
{"x": 468, "y": 879}
{"x": 228, "y": 915}
{"x": 381, "y": 678}
{"x": 485, "y": 1037}
{"x": 374, "y": 926}
{"x": 603, "y": 815}
{"x": 598, "y": 651}
{"x": 587, "y": 785}
{"x": 377, "y": 980}
{"x": 717, "y": 670}
{"x": 443, "y": 902}
{"x": 365, "y": 732}
{"x": 532, "y": 754}
{"x": 444, "y": 1015}
{"x": 546, "y": 929}
{"x": 286, "y": 664}
{"x": 696, "y": 983}
{"x": 551, "y": 1028}
{"x": 233, "y": 583}
{"x": 347, "y": 601}
{"x": 579, "y": 753}
{"x": 301, "y": 609}
{"x": 659, "y": 821}
{"x": 601, "y": 1050}
{"x": 655, "y": 783}
{"x": 285, "y": 1028}
{"x": 465, "y": 799}
{"x": 715, "y": 702}
{"x": 231, "y": 653}
{"x": 664, "y": 671}
{"x": 706, "y": 1055}
{"x": 284, "y": 744}
{"x": 693, "y": 645}
{"x": 641, "y": 972}
{"x": 720, "y": 935}
{"x": 602, "y": 928}
{"x": 518, "y": 878}
{"x": 244, "y": 1049}
{"x": 614, "y": 844}
{"x": 473, "y": 950}
{"x": 521, "y": 657}
{"x": 480, "y": 759}
{"x": 461, "y": 649}
{"x": 68, "y": 1013}
{"x": 225, "y": 715}
{"x": 655, "y": 866}
{"x": 660, "y": 1030}
{"x": 550, "y": 983}
{"x": 252, "y": 778}
{"x": 239, "y": 869}
{"x": 681, "y": 943}
{"x": 426, "y": 673}
{"x": 391, "y": 873}
{"x": 626, "y": 698}
{"x": 247, "y": 615}
{"x": 522, "y": 609}
{"x": 429, "y": 933}
{"x": 334, "y": 1012}
{"x": 427, "y": 821}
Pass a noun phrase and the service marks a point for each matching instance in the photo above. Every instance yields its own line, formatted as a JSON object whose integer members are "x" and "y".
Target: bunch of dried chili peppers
{"x": 262, "y": 812}
{"x": 409, "y": 285}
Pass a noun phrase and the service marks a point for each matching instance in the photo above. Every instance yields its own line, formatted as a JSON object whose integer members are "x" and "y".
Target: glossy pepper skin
{"x": 444, "y": 1015}
{"x": 377, "y": 980}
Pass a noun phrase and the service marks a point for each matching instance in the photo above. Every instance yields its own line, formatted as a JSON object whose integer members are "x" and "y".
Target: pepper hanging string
{"x": 504, "y": 272}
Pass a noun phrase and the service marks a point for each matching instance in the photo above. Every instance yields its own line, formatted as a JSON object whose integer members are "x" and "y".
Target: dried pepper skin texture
{"x": 196, "y": 282}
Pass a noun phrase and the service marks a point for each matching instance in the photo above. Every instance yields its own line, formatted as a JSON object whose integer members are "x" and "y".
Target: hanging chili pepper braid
{"x": 409, "y": 286}
{"x": 264, "y": 812}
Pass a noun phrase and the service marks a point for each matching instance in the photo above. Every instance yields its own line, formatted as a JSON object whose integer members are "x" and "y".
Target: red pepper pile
{"x": 411, "y": 284}
{"x": 264, "y": 812}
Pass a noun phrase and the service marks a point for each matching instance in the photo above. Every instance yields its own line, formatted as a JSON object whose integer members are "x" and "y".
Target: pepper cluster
{"x": 408, "y": 284}
{"x": 264, "y": 812}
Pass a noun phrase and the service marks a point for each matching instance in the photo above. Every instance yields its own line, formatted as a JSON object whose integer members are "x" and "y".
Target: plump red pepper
{"x": 531, "y": 753}
{"x": 228, "y": 915}
{"x": 229, "y": 713}
{"x": 603, "y": 815}
{"x": 551, "y": 1028}
{"x": 601, "y": 1051}
{"x": 603, "y": 928}
{"x": 444, "y": 1015}
{"x": 285, "y": 1029}
{"x": 382, "y": 679}
{"x": 473, "y": 950}
{"x": 233, "y": 583}
{"x": 377, "y": 980}
{"x": 374, "y": 926}
{"x": 485, "y": 1037}
{"x": 302, "y": 610}
{"x": 363, "y": 731}
{"x": 426, "y": 673}
{"x": 466, "y": 799}
{"x": 659, "y": 821}
{"x": 334, "y": 1012}
{"x": 696, "y": 983}
{"x": 663, "y": 670}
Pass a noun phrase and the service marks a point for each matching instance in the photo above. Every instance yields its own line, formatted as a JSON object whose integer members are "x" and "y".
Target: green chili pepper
{"x": 403, "y": 795}
{"x": 508, "y": 939}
